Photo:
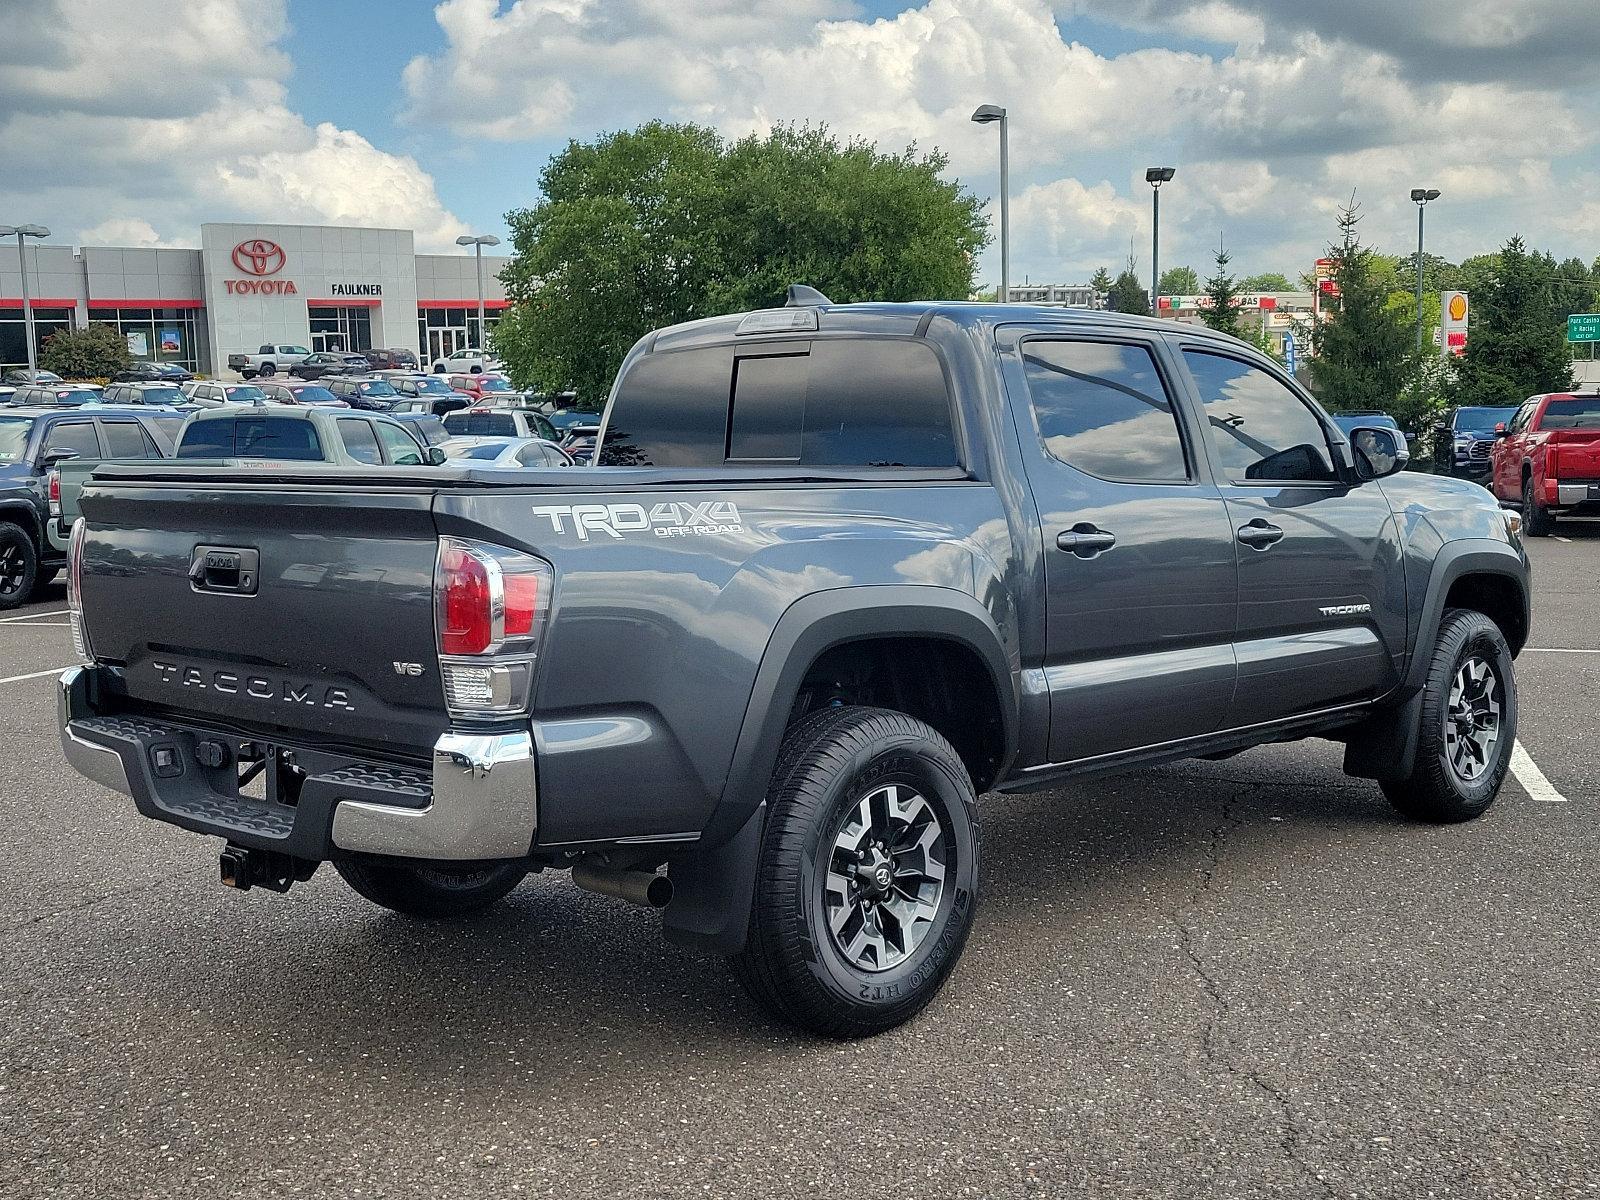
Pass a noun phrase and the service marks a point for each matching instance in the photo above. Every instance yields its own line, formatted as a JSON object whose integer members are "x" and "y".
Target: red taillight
{"x": 55, "y": 487}
{"x": 522, "y": 604}
{"x": 466, "y": 608}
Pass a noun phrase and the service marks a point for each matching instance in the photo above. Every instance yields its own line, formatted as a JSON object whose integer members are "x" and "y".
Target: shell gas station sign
{"x": 1454, "y": 309}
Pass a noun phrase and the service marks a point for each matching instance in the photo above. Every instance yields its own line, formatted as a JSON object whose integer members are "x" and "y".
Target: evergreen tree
{"x": 1128, "y": 295}
{"x": 1514, "y": 347}
{"x": 1222, "y": 289}
{"x": 1101, "y": 280}
{"x": 1363, "y": 353}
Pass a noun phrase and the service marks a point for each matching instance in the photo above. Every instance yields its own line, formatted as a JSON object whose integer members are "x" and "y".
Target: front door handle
{"x": 1259, "y": 534}
{"x": 1085, "y": 540}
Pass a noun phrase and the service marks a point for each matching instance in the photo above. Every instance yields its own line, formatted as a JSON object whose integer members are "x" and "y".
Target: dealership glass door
{"x": 444, "y": 342}
{"x": 340, "y": 329}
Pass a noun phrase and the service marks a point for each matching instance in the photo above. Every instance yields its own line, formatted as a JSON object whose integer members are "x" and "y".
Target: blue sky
{"x": 439, "y": 116}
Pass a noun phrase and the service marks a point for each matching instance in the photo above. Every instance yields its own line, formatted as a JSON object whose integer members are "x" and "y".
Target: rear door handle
{"x": 1259, "y": 534}
{"x": 1085, "y": 540}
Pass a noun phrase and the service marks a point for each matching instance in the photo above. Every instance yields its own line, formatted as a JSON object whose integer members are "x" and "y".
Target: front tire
{"x": 1536, "y": 521}
{"x": 268, "y": 370}
{"x": 1469, "y": 724}
{"x": 420, "y": 889}
{"x": 868, "y": 875}
{"x": 19, "y": 566}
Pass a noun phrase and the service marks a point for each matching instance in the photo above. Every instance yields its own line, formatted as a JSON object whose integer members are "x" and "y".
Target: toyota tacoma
{"x": 843, "y": 569}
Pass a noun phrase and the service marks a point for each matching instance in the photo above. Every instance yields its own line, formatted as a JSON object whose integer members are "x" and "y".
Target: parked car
{"x": 360, "y": 391}
{"x": 139, "y": 434}
{"x": 425, "y": 425}
{"x": 153, "y": 372}
{"x": 166, "y": 395}
{"x": 300, "y": 391}
{"x": 268, "y": 360}
{"x": 1547, "y": 459}
{"x": 33, "y": 441}
{"x": 329, "y": 362}
{"x": 35, "y": 395}
{"x": 480, "y": 387}
{"x": 500, "y": 422}
{"x": 877, "y": 561}
{"x": 1367, "y": 418}
{"x": 1463, "y": 442}
{"x": 438, "y": 392}
{"x": 304, "y": 433}
{"x": 507, "y": 452}
{"x": 206, "y": 393}
{"x": 19, "y": 375}
{"x": 465, "y": 362}
{"x": 394, "y": 358}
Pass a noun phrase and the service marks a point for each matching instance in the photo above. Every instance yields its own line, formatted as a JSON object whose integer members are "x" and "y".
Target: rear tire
{"x": 19, "y": 566}
{"x": 1469, "y": 724}
{"x": 1536, "y": 521}
{"x": 868, "y": 875}
{"x": 427, "y": 889}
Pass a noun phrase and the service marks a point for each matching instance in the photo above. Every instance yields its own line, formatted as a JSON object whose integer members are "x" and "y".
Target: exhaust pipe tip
{"x": 644, "y": 888}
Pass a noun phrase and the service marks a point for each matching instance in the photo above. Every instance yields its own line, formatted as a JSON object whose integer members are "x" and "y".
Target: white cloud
{"x": 202, "y": 130}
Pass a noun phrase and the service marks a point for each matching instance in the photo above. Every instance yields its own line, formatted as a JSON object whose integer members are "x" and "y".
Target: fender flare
{"x": 25, "y": 513}
{"x": 715, "y": 879}
{"x": 1384, "y": 746}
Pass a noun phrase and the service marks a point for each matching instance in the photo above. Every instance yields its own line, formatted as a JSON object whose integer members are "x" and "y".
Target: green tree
{"x": 1574, "y": 289}
{"x": 1128, "y": 295}
{"x": 1514, "y": 348}
{"x": 1363, "y": 355}
{"x": 1180, "y": 281}
{"x": 1222, "y": 293}
{"x": 1271, "y": 281}
{"x": 1100, "y": 281}
{"x": 95, "y": 352}
{"x": 667, "y": 223}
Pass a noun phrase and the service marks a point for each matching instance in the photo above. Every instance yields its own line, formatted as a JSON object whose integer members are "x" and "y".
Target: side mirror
{"x": 437, "y": 457}
{"x": 1500, "y": 429}
{"x": 1378, "y": 452}
{"x": 57, "y": 454}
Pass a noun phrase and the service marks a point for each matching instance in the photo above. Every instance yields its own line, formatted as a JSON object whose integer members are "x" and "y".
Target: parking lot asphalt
{"x": 1246, "y": 977}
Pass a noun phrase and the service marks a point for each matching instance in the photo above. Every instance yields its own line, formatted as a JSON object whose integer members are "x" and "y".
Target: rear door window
{"x": 1101, "y": 407}
{"x": 1581, "y": 412}
{"x": 359, "y": 441}
{"x": 127, "y": 439}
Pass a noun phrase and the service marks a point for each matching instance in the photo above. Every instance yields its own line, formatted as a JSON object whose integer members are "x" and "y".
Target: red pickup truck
{"x": 1547, "y": 458}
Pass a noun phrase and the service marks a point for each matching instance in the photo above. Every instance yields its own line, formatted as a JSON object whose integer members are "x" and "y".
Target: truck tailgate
{"x": 319, "y": 644}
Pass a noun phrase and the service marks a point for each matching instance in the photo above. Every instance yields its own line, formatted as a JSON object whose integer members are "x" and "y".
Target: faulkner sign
{"x": 355, "y": 289}
{"x": 259, "y": 257}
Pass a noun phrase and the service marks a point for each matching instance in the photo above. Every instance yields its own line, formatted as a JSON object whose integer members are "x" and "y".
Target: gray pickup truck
{"x": 844, "y": 569}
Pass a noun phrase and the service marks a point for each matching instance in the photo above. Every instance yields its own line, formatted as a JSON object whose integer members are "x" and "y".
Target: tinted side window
{"x": 125, "y": 439}
{"x": 1101, "y": 408}
{"x": 359, "y": 441}
{"x": 1581, "y": 412}
{"x": 1259, "y": 429}
{"x": 73, "y": 435}
{"x": 276, "y": 437}
{"x": 671, "y": 410}
{"x": 397, "y": 444}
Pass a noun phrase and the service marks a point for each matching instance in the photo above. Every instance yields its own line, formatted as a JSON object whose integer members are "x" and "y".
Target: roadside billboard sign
{"x": 1583, "y": 327}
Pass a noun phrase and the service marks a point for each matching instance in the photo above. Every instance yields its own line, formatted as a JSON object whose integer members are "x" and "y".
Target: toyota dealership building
{"x": 323, "y": 286}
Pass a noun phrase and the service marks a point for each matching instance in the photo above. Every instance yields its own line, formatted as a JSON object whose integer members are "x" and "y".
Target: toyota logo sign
{"x": 257, "y": 256}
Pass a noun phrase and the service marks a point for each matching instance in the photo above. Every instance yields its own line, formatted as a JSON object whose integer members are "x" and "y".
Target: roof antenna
{"x": 804, "y": 296}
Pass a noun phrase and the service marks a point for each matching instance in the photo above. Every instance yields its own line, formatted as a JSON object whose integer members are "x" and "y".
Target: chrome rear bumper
{"x": 480, "y": 802}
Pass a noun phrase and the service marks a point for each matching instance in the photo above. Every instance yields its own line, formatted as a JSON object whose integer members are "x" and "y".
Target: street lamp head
{"x": 1423, "y": 195}
{"x": 985, "y": 113}
{"x": 1156, "y": 176}
{"x": 34, "y": 231}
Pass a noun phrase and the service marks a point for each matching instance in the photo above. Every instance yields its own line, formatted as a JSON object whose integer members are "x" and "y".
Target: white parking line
{"x": 1555, "y": 650}
{"x": 1559, "y": 538}
{"x": 33, "y": 616}
{"x": 1532, "y": 779}
{"x": 46, "y": 624}
{"x": 33, "y": 675}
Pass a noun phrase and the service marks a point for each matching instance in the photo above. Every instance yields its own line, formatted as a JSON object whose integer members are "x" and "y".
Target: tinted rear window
{"x": 252, "y": 437}
{"x": 833, "y": 403}
{"x": 1578, "y": 413}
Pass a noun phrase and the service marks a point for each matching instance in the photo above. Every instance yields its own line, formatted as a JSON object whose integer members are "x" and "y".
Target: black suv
{"x": 393, "y": 358}
{"x": 1462, "y": 442}
{"x": 154, "y": 372}
{"x": 328, "y": 362}
{"x": 166, "y": 394}
{"x": 374, "y": 395}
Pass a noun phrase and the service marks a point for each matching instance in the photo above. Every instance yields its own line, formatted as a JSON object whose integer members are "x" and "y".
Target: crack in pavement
{"x": 1290, "y": 1135}
{"x": 91, "y": 901}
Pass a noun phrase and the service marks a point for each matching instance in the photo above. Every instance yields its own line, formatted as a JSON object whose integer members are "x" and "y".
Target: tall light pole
{"x": 478, "y": 243}
{"x": 984, "y": 115}
{"x": 1155, "y": 177}
{"x": 1421, "y": 196}
{"x": 26, "y": 231}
